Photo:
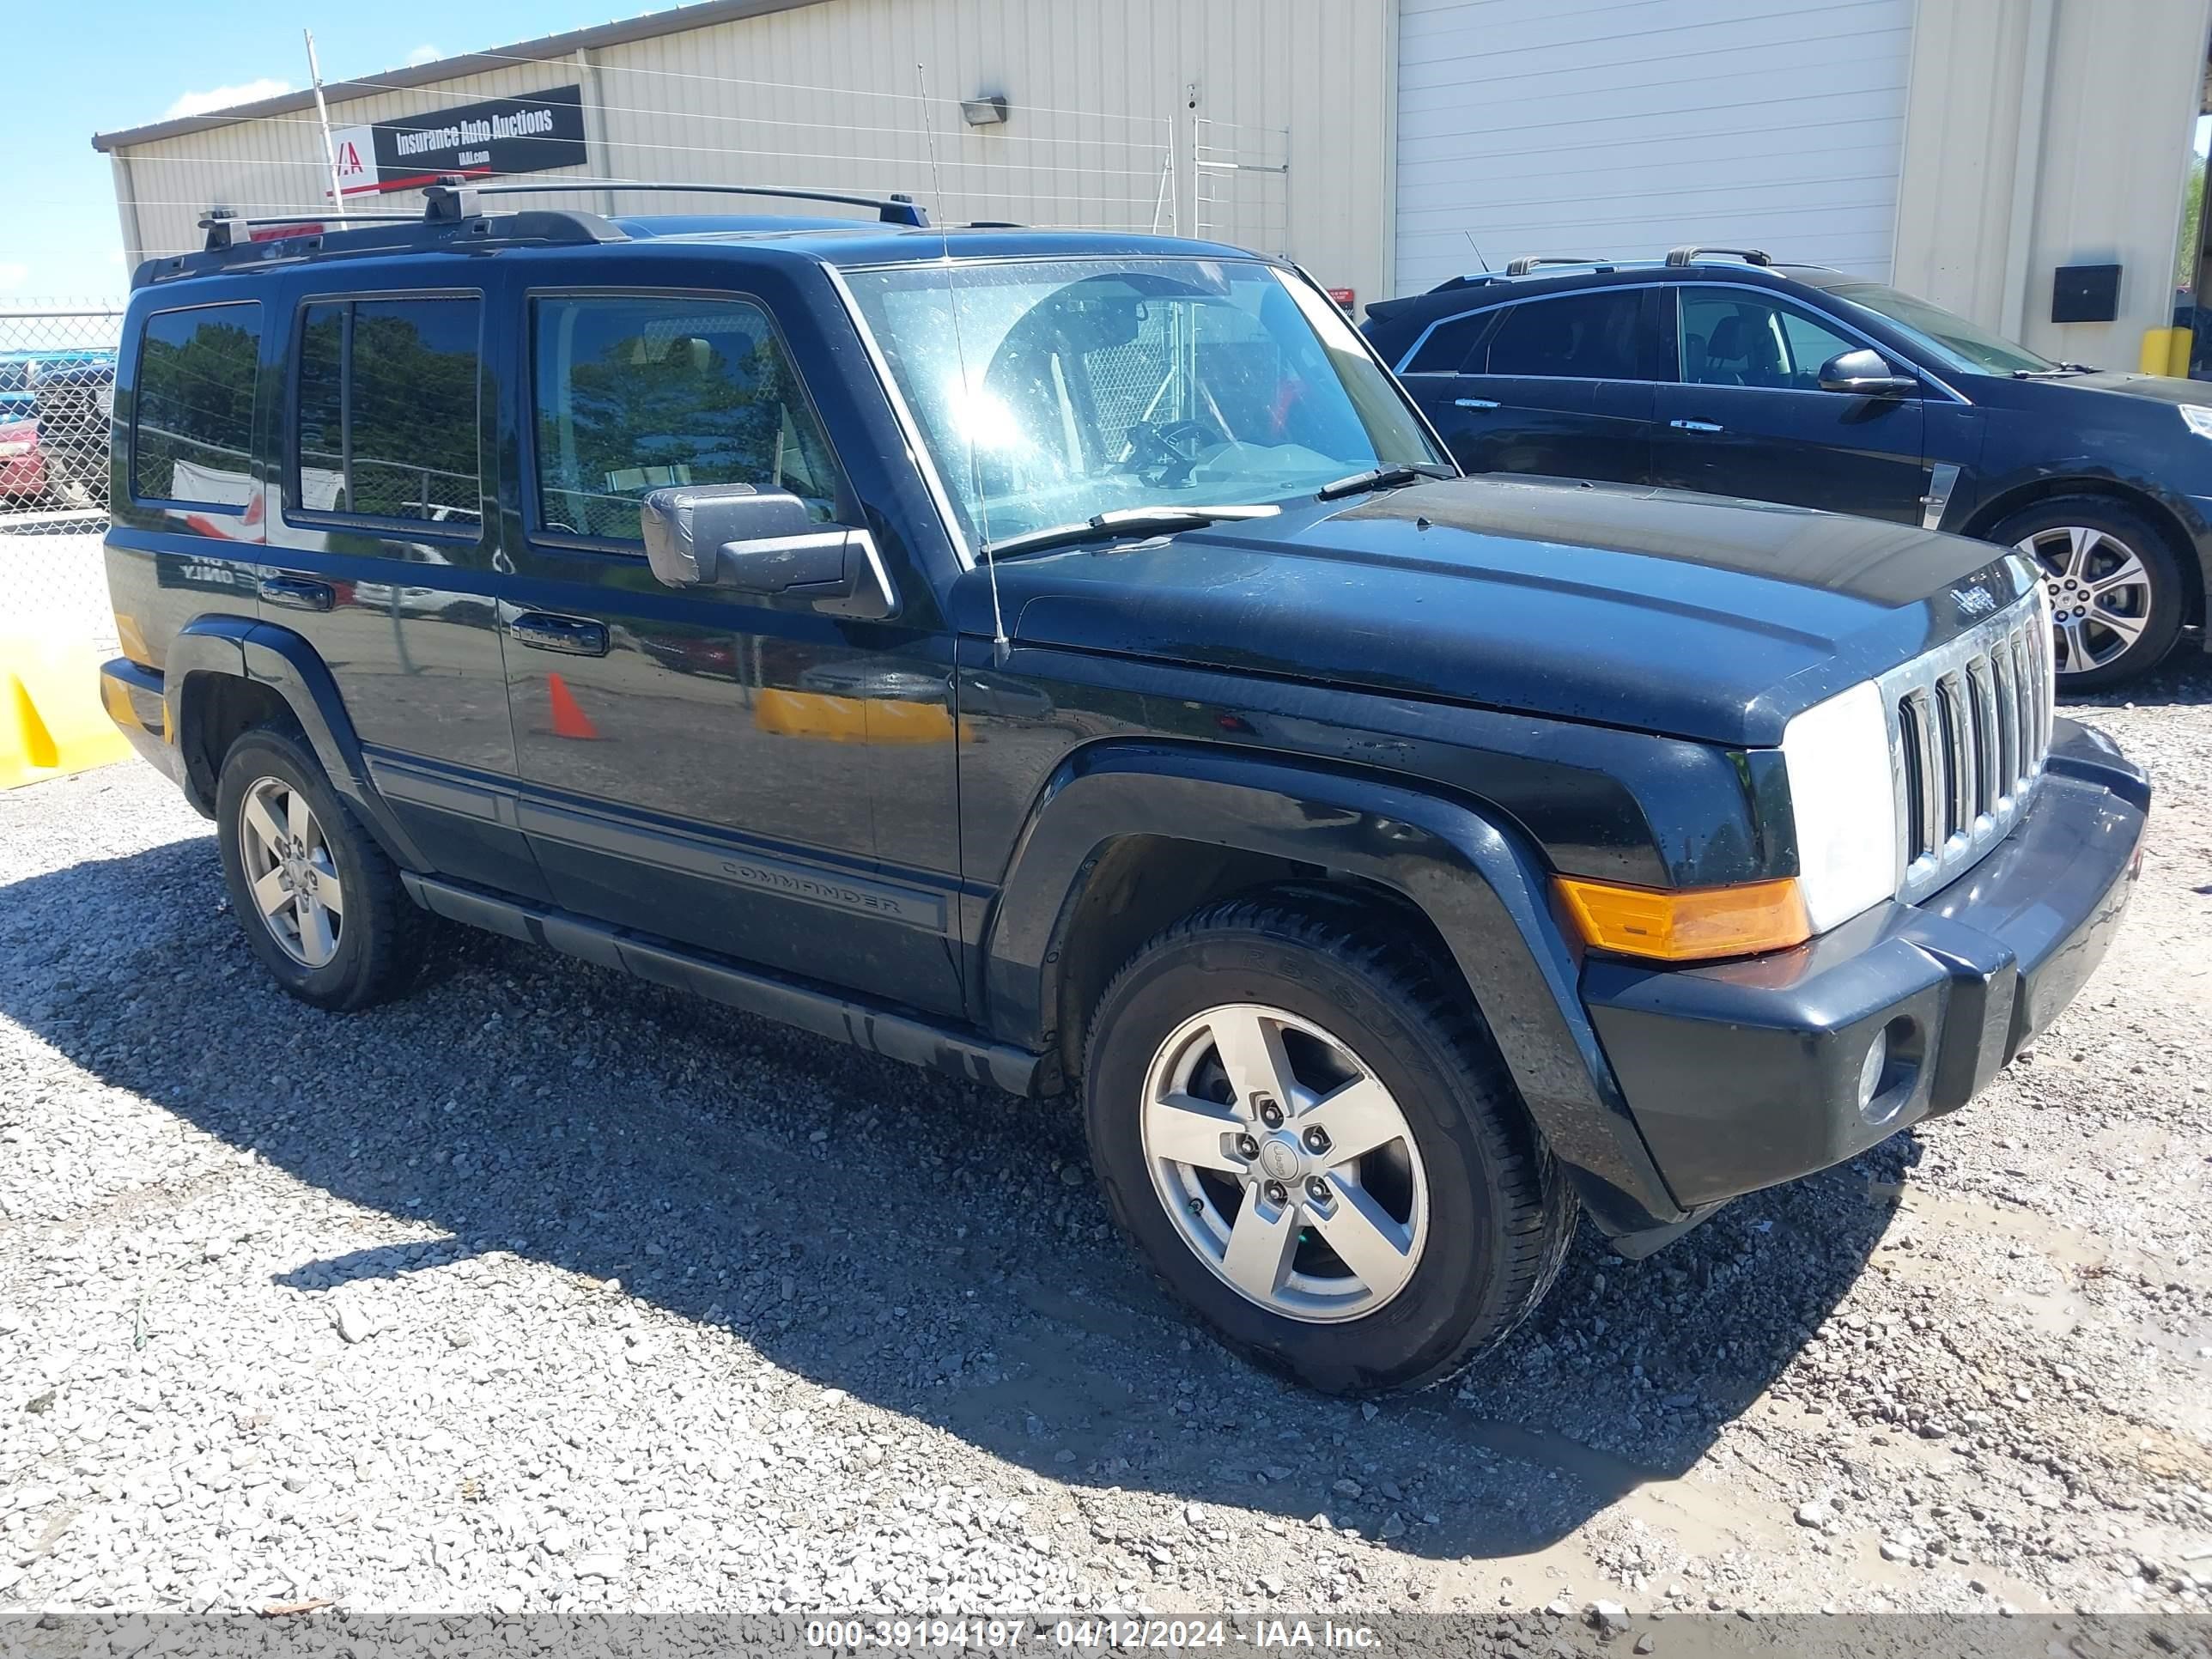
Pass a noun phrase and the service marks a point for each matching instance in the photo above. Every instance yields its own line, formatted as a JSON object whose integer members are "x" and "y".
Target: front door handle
{"x": 542, "y": 630}
{"x": 1475, "y": 402}
{"x": 1695, "y": 426}
{"x": 298, "y": 592}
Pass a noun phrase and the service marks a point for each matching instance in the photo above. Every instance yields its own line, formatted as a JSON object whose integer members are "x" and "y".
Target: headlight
{"x": 16, "y": 446}
{"x": 1837, "y": 755}
{"x": 2197, "y": 417}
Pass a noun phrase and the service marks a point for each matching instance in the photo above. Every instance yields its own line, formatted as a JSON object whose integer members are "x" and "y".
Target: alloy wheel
{"x": 2100, "y": 591}
{"x": 294, "y": 877}
{"x": 1284, "y": 1162}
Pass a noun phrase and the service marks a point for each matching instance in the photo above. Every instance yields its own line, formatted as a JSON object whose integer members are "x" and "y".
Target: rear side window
{"x": 1448, "y": 344}
{"x": 385, "y": 410}
{"x": 1588, "y": 336}
{"x": 631, "y": 394}
{"x": 192, "y": 437}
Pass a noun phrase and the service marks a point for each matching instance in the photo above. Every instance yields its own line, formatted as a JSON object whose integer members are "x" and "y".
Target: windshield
{"x": 1965, "y": 347}
{"x": 1071, "y": 388}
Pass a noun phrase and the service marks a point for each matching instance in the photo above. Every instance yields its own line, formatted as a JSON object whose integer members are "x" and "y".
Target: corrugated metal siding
{"x": 824, "y": 96}
{"x": 2108, "y": 171}
{"x": 1579, "y": 126}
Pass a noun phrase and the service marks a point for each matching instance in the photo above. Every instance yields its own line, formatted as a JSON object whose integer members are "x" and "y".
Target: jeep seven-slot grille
{"x": 1969, "y": 726}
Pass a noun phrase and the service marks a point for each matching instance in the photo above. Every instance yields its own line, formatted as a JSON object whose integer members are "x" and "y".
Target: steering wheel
{"x": 1164, "y": 452}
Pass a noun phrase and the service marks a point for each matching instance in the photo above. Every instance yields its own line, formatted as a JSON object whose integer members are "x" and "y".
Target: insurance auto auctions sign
{"x": 533, "y": 133}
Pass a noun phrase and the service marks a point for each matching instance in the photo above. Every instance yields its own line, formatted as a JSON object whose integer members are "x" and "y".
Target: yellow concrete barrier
{"x": 50, "y": 718}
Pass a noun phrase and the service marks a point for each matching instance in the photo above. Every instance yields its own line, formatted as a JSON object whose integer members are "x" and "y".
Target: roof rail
{"x": 1529, "y": 261}
{"x": 451, "y": 198}
{"x": 1688, "y": 255}
{"x": 222, "y": 224}
{"x": 439, "y": 228}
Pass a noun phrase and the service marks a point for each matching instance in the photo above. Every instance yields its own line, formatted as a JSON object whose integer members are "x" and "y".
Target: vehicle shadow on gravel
{"x": 927, "y": 1247}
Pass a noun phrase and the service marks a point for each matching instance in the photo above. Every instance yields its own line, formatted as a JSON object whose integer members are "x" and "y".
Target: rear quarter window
{"x": 191, "y": 435}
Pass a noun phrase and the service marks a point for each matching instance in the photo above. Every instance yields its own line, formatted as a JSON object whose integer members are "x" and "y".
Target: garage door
{"x": 1590, "y": 127}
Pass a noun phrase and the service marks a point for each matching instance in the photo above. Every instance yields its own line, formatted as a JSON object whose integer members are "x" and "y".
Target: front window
{"x": 633, "y": 393}
{"x": 1963, "y": 347}
{"x": 1734, "y": 336}
{"x": 1058, "y": 390}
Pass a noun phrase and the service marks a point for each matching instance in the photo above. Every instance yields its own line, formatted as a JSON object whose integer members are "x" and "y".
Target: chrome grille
{"x": 1969, "y": 726}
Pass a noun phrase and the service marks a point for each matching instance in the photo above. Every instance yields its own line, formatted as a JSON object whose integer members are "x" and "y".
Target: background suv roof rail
{"x": 1529, "y": 261}
{"x": 1690, "y": 256}
{"x": 451, "y": 198}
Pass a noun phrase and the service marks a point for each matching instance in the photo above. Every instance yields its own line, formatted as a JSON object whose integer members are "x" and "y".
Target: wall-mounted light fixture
{"x": 985, "y": 111}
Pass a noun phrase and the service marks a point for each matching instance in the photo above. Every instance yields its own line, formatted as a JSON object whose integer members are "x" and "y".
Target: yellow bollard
{"x": 50, "y": 718}
{"x": 2162, "y": 347}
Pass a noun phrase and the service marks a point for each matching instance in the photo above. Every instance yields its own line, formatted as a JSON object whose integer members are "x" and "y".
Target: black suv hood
{"x": 1694, "y": 616}
{"x": 2153, "y": 388}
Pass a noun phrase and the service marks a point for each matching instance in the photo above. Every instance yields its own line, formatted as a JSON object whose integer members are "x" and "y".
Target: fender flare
{"x": 1478, "y": 881}
{"x": 288, "y": 665}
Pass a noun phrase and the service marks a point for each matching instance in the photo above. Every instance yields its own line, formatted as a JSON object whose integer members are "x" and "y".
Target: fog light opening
{"x": 1889, "y": 1069}
{"x": 1872, "y": 1067}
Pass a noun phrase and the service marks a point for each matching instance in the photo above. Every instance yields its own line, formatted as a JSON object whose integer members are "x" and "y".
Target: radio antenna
{"x": 999, "y": 642}
{"x": 1479, "y": 259}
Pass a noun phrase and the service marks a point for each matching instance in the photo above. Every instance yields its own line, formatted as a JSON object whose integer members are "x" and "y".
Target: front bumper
{"x": 1744, "y": 1074}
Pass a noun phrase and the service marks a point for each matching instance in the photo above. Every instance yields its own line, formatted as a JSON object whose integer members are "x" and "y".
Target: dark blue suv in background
{"x": 1718, "y": 370}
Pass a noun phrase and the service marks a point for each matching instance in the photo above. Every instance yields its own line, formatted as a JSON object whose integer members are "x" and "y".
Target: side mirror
{"x": 1865, "y": 374}
{"x": 762, "y": 542}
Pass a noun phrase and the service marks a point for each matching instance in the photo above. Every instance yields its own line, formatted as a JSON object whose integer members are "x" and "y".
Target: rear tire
{"x": 1453, "y": 1222}
{"x": 320, "y": 901}
{"x": 2114, "y": 583}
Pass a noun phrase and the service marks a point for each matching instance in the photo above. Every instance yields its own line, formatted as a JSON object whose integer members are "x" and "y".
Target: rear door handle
{"x": 577, "y": 636}
{"x": 1475, "y": 402}
{"x": 1695, "y": 426}
{"x": 298, "y": 592}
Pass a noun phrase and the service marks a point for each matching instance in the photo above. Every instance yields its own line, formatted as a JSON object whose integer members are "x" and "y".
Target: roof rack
{"x": 1529, "y": 261}
{"x": 222, "y": 225}
{"x": 452, "y": 212}
{"x": 1687, "y": 255}
{"x": 453, "y": 198}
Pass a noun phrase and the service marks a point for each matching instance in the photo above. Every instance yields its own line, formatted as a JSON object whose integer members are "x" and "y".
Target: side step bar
{"x": 879, "y": 1028}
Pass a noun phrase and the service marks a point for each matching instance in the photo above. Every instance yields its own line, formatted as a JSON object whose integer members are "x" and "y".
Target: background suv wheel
{"x": 1310, "y": 1134}
{"x": 2114, "y": 583}
{"x": 320, "y": 901}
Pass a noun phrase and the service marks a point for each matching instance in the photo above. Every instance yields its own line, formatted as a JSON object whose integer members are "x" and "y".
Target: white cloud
{"x": 13, "y": 275}
{"x": 215, "y": 98}
{"x": 425, "y": 54}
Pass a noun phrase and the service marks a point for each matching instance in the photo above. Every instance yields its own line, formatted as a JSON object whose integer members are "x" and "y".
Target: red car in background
{"x": 22, "y": 463}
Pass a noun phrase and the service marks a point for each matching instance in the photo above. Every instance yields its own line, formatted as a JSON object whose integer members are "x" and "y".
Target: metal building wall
{"x": 1102, "y": 129}
{"x": 2041, "y": 133}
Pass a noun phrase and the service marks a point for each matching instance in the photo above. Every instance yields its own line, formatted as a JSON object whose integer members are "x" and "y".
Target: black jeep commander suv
{"x": 1719, "y": 369}
{"x": 1070, "y": 660}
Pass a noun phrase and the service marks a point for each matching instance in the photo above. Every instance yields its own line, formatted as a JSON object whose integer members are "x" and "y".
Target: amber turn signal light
{"x": 1691, "y": 924}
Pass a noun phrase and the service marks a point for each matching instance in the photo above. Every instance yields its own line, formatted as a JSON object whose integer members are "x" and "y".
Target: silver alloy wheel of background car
{"x": 2100, "y": 593}
{"x": 1287, "y": 1165}
{"x": 288, "y": 867}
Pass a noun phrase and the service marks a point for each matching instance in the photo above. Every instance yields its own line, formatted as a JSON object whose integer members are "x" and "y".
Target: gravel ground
{"x": 549, "y": 1289}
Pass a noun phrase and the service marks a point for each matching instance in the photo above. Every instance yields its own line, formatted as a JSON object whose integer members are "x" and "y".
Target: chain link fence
{"x": 57, "y": 392}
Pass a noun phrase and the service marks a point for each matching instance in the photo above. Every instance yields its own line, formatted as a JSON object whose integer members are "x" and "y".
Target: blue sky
{"x": 86, "y": 68}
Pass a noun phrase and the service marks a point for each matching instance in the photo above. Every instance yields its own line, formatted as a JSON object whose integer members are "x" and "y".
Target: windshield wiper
{"x": 1125, "y": 521}
{"x": 1384, "y": 477}
{"x": 2055, "y": 371}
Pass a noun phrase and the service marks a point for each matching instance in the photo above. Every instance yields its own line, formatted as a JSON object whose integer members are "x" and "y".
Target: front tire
{"x": 1313, "y": 1138}
{"x": 2115, "y": 585}
{"x": 320, "y": 901}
